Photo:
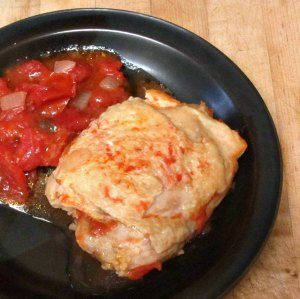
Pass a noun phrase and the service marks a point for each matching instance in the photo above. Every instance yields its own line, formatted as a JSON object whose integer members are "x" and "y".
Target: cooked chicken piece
{"x": 143, "y": 179}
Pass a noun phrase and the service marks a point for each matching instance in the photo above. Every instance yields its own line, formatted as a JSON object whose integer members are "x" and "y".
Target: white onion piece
{"x": 63, "y": 66}
{"x": 13, "y": 100}
{"x": 81, "y": 101}
{"x": 109, "y": 82}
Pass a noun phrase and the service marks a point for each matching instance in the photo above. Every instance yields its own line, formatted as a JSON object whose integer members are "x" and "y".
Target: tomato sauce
{"x": 139, "y": 272}
{"x": 96, "y": 227}
{"x": 45, "y": 104}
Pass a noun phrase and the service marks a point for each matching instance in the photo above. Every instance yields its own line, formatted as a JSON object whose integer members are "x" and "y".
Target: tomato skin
{"x": 54, "y": 87}
{"x": 73, "y": 120}
{"x": 54, "y": 108}
{"x": 30, "y": 150}
{"x": 4, "y": 89}
{"x": 101, "y": 98}
{"x": 81, "y": 72}
{"x": 28, "y": 72}
{"x": 13, "y": 185}
{"x": 55, "y": 143}
{"x": 109, "y": 65}
{"x": 10, "y": 114}
{"x": 12, "y": 125}
{"x": 139, "y": 272}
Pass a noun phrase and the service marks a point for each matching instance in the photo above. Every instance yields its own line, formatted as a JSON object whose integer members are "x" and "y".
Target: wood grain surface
{"x": 263, "y": 38}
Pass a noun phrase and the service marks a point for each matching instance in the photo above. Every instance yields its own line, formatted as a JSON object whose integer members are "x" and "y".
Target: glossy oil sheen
{"x": 35, "y": 256}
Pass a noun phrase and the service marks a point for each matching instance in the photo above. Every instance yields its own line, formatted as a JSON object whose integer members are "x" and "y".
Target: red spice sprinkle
{"x": 114, "y": 199}
{"x": 179, "y": 177}
{"x": 159, "y": 154}
{"x": 142, "y": 206}
{"x": 64, "y": 197}
{"x": 129, "y": 168}
{"x": 150, "y": 216}
{"x": 203, "y": 164}
{"x": 171, "y": 150}
{"x": 176, "y": 216}
{"x": 117, "y": 199}
{"x": 106, "y": 191}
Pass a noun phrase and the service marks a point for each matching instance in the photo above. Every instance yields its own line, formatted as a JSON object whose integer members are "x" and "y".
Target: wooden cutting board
{"x": 263, "y": 39}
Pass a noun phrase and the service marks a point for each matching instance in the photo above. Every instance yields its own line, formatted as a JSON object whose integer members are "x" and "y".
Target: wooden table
{"x": 263, "y": 38}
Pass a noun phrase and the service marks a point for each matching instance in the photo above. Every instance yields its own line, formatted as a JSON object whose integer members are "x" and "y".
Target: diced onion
{"x": 81, "y": 101}
{"x": 63, "y": 66}
{"x": 13, "y": 100}
{"x": 109, "y": 82}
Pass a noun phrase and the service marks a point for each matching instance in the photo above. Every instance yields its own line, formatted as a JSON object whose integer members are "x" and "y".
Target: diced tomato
{"x": 10, "y": 114}
{"x": 28, "y": 72}
{"x": 30, "y": 150}
{"x": 81, "y": 72}
{"x": 53, "y": 87}
{"x": 12, "y": 126}
{"x": 53, "y": 108}
{"x": 12, "y": 179}
{"x": 109, "y": 65}
{"x": 73, "y": 119}
{"x": 4, "y": 89}
{"x": 101, "y": 98}
{"x": 55, "y": 143}
{"x": 139, "y": 272}
{"x": 27, "y": 87}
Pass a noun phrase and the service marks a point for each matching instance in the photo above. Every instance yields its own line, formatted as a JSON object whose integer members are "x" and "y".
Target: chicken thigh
{"x": 143, "y": 179}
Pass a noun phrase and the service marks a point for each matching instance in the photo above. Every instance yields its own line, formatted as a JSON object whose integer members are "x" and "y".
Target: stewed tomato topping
{"x": 139, "y": 272}
{"x": 63, "y": 93}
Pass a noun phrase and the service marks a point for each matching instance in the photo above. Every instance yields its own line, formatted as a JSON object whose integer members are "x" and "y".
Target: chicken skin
{"x": 143, "y": 179}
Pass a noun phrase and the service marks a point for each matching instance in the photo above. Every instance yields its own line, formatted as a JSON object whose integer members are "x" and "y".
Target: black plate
{"x": 34, "y": 254}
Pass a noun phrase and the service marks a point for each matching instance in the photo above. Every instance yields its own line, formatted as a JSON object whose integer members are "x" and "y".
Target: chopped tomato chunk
{"x": 28, "y": 72}
{"x": 139, "y": 272}
{"x": 30, "y": 150}
{"x": 101, "y": 98}
{"x": 81, "y": 72}
{"x": 54, "y": 108}
{"x": 54, "y": 87}
{"x": 109, "y": 65}
{"x": 74, "y": 120}
{"x": 55, "y": 144}
{"x": 7, "y": 115}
